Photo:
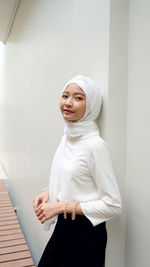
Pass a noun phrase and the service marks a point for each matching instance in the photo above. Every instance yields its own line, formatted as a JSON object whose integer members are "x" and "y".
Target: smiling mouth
{"x": 67, "y": 111}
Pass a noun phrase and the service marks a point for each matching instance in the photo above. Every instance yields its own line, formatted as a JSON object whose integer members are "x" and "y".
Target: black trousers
{"x": 75, "y": 244}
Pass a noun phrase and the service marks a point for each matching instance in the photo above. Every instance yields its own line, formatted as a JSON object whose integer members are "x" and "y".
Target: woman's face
{"x": 73, "y": 103}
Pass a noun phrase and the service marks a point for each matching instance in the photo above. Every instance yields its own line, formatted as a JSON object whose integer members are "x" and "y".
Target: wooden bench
{"x": 14, "y": 251}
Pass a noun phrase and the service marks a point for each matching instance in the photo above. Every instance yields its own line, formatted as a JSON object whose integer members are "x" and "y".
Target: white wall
{"x": 116, "y": 119}
{"x": 52, "y": 41}
{"x": 138, "y": 136}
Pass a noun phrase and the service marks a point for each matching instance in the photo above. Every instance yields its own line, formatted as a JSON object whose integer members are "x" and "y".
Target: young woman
{"x": 83, "y": 192}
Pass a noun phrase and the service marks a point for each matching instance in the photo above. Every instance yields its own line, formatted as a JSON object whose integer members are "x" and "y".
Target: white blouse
{"x": 87, "y": 177}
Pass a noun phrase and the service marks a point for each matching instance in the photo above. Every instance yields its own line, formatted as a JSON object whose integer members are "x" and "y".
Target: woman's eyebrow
{"x": 77, "y": 93}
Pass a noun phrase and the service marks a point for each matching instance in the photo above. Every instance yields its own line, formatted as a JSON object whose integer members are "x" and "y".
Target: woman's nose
{"x": 68, "y": 101}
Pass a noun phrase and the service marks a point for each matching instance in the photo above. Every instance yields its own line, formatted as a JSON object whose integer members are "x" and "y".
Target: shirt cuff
{"x": 94, "y": 219}
{"x": 46, "y": 188}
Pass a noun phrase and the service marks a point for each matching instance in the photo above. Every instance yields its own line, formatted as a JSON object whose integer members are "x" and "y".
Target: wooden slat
{"x": 4, "y": 196}
{"x": 9, "y": 227}
{"x": 11, "y": 237}
{"x": 7, "y": 214}
{"x": 10, "y": 232}
{"x": 18, "y": 263}
{"x": 2, "y": 188}
{"x": 5, "y": 204}
{"x": 15, "y": 256}
{"x": 6, "y": 222}
{"x": 8, "y": 218}
{"x": 14, "y": 242}
{"x": 13, "y": 249}
{"x": 4, "y": 200}
{"x": 5, "y": 210}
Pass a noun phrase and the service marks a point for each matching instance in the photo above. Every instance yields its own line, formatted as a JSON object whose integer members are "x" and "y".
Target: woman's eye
{"x": 64, "y": 96}
{"x": 79, "y": 98}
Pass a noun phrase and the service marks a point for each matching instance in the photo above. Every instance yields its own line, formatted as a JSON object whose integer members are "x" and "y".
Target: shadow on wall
{"x": 22, "y": 26}
{"x": 3, "y": 174}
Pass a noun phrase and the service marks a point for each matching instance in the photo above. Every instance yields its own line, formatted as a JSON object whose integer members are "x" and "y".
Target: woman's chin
{"x": 68, "y": 117}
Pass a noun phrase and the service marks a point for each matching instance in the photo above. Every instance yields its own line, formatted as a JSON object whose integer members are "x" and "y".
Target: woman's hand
{"x": 40, "y": 199}
{"x": 46, "y": 211}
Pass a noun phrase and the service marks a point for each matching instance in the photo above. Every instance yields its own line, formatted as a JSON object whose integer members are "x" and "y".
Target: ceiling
{"x": 8, "y": 9}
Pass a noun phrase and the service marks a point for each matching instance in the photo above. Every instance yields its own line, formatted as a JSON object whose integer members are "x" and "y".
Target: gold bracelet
{"x": 73, "y": 216}
{"x": 65, "y": 211}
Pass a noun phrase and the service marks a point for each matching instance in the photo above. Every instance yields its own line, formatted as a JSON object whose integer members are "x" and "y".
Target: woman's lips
{"x": 67, "y": 111}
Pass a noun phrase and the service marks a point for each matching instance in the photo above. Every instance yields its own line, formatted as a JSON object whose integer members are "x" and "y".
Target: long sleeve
{"x": 108, "y": 205}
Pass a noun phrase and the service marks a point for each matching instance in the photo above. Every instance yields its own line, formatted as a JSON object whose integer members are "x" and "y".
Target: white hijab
{"x": 76, "y": 129}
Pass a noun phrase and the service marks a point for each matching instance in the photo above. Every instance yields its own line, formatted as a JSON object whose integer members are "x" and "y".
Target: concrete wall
{"x": 138, "y": 134}
{"x": 50, "y": 42}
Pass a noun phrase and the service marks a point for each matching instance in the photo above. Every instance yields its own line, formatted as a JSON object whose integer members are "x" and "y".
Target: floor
{"x": 14, "y": 250}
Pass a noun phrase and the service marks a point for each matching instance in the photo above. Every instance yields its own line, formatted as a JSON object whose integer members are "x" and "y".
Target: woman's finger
{"x": 43, "y": 220}
{"x": 38, "y": 208}
{"x": 41, "y": 217}
{"x": 37, "y": 202}
{"x": 34, "y": 203}
{"x": 39, "y": 212}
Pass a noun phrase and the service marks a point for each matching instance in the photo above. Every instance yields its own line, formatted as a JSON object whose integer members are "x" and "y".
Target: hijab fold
{"x": 75, "y": 130}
